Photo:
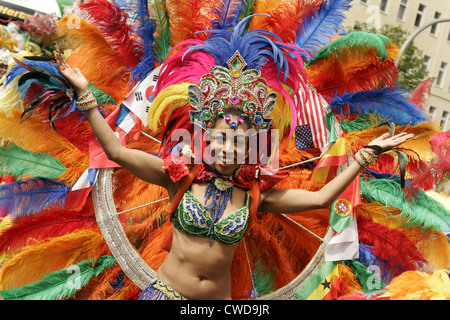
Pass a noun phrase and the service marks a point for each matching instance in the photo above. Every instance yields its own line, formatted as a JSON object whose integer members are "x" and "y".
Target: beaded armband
{"x": 367, "y": 155}
{"x": 87, "y": 101}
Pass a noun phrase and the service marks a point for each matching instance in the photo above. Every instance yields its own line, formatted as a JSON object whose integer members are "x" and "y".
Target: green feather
{"x": 247, "y": 10}
{"x": 20, "y": 163}
{"x": 60, "y": 284}
{"x": 421, "y": 211}
{"x": 364, "y": 276}
{"x": 101, "y": 96}
{"x": 263, "y": 280}
{"x": 354, "y": 40}
{"x": 163, "y": 32}
{"x": 361, "y": 123}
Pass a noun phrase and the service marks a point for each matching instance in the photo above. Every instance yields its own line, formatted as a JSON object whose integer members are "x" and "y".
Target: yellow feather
{"x": 170, "y": 98}
{"x": 5, "y": 223}
{"x": 34, "y": 262}
{"x": 419, "y": 285}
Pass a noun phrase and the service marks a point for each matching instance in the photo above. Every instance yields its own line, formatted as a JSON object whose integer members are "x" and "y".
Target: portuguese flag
{"x": 326, "y": 169}
{"x": 342, "y": 211}
{"x": 324, "y": 284}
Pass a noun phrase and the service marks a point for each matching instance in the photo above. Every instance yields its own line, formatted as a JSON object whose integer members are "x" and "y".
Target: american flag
{"x": 311, "y": 131}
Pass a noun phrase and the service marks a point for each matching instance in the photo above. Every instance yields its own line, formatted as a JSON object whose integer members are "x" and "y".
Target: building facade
{"x": 434, "y": 41}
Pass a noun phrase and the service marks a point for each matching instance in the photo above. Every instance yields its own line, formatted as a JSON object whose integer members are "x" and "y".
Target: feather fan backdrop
{"x": 402, "y": 227}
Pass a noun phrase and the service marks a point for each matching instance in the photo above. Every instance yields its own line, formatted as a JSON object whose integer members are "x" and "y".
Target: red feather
{"x": 421, "y": 94}
{"x": 112, "y": 22}
{"x": 49, "y": 224}
{"x": 390, "y": 245}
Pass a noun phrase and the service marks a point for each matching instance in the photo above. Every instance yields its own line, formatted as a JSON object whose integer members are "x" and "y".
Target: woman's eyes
{"x": 238, "y": 141}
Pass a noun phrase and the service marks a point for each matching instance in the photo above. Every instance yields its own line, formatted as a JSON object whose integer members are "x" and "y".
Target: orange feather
{"x": 95, "y": 57}
{"x": 188, "y": 17}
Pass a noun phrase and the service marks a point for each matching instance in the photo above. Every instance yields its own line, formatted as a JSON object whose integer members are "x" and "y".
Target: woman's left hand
{"x": 386, "y": 142}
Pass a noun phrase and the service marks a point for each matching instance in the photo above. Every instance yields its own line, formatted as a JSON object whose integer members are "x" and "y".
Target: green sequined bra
{"x": 192, "y": 218}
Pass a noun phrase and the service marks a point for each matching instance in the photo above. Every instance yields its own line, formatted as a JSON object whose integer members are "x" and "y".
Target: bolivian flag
{"x": 324, "y": 284}
{"x": 326, "y": 169}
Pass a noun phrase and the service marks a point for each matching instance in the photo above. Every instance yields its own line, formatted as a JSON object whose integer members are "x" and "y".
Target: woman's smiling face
{"x": 229, "y": 147}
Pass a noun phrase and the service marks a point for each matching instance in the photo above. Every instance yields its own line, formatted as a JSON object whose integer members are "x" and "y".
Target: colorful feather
{"x": 420, "y": 285}
{"x": 391, "y": 104}
{"x": 63, "y": 283}
{"x": 163, "y": 32}
{"x": 226, "y": 14}
{"x": 44, "y": 225}
{"x": 142, "y": 30}
{"x": 359, "y": 42}
{"x": 422, "y": 212}
{"x": 34, "y": 262}
{"x": 320, "y": 26}
{"x": 421, "y": 94}
{"x": 187, "y": 18}
{"x": 356, "y": 62}
{"x": 285, "y": 18}
{"x": 22, "y": 198}
{"x": 391, "y": 246}
{"x": 20, "y": 163}
{"x": 29, "y": 135}
{"x": 96, "y": 58}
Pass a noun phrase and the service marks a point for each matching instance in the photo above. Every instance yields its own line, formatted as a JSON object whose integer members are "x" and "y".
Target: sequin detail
{"x": 192, "y": 218}
{"x": 158, "y": 290}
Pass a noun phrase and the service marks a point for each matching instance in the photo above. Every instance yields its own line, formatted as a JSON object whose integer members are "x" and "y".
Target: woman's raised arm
{"x": 295, "y": 200}
{"x": 141, "y": 164}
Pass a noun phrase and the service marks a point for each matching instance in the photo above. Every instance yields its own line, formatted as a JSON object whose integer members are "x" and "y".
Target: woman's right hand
{"x": 73, "y": 76}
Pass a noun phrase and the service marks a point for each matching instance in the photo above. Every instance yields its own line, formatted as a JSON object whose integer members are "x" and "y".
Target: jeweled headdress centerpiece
{"x": 232, "y": 88}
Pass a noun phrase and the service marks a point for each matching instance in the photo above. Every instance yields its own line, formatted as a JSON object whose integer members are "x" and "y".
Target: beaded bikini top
{"x": 192, "y": 218}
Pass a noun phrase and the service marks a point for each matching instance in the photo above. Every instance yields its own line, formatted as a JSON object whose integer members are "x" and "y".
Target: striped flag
{"x": 77, "y": 196}
{"x": 315, "y": 122}
{"x": 326, "y": 169}
{"x": 324, "y": 284}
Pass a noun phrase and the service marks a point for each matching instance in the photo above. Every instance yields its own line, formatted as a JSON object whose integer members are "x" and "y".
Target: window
{"x": 402, "y": 10}
{"x": 427, "y": 60}
{"x": 383, "y": 5}
{"x": 441, "y": 74}
{"x": 444, "y": 120}
{"x": 432, "y": 111}
{"x": 364, "y": 1}
{"x": 419, "y": 16}
{"x": 433, "y": 29}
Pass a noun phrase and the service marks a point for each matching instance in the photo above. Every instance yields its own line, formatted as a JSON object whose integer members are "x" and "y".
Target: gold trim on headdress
{"x": 232, "y": 88}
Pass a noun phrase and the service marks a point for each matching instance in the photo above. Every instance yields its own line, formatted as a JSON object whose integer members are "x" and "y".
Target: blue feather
{"x": 226, "y": 13}
{"x": 50, "y": 68}
{"x": 367, "y": 258}
{"x": 319, "y": 27}
{"x": 143, "y": 31}
{"x": 22, "y": 198}
{"x": 255, "y": 46}
{"x": 390, "y": 104}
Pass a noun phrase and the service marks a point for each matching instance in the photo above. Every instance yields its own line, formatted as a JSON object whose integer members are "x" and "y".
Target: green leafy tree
{"x": 412, "y": 68}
